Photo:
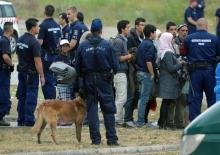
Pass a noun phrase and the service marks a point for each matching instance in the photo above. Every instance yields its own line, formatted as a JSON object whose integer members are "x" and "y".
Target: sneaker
{"x": 152, "y": 125}
{"x": 140, "y": 125}
{"x": 120, "y": 124}
{"x": 130, "y": 124}
{"x": 4, "y": 123}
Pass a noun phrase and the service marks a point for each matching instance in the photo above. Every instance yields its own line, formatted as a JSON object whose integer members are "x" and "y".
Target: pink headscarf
{"x": 165, "y": 45}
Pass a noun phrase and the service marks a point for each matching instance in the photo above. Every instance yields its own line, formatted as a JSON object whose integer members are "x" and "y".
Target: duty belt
{"x": 4, "y": 66}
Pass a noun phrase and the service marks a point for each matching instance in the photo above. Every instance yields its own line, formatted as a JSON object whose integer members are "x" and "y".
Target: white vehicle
{"x": 7, "y": 14}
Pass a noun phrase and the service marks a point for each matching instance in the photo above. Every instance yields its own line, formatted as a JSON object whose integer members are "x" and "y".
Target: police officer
{"x": 201, "y": 8}
{"x": 75, "y": 32}
{"x": 217, "y": 14}
{"x": 80, "y": 17}
{"x": 191, "y": 16}
{"x": 95, "y": 60}
{"x": 49, "y": 37}
{"x": 202, "y": 49}
{"x": 29, "y": 66}
{"x": 63, "y": 21}
{"x": 6, "y": 68}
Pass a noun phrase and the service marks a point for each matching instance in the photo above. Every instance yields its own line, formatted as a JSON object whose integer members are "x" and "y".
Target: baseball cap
{"x": 64, "y": 41}
{"x": 96, "y": 25}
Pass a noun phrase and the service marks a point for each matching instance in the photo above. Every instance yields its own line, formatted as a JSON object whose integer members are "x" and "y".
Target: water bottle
{"x": 217, "y": 87}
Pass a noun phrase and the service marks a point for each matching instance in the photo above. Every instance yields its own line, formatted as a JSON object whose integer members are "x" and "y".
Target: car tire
{"x": 13, "y": 42}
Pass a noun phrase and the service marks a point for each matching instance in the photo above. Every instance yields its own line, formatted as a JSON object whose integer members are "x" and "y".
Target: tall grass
{"x": 155, "y": 11}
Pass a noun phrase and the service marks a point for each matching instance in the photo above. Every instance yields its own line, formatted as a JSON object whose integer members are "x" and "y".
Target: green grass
{"x": 155, "y": 11}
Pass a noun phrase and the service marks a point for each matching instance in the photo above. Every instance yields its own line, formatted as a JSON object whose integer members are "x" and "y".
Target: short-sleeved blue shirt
{"x": 190, "y": 12}
{"x": 5, "y": 48}
{"x": 75, "y": 32}
{"x": 27, "y": 49}
{"x": 84, "y": 28}
{"x": 65, "y": 32}
{"x": 146, "y": 53}
{"x": 50, "y": 33}
{"x": 202, "y": 46}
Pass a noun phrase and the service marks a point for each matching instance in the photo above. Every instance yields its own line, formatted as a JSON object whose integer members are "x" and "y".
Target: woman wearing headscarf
{"x": 169, "y": 87}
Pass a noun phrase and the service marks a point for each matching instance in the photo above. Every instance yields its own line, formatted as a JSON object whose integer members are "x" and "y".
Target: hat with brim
{"x": 64, "y": 41}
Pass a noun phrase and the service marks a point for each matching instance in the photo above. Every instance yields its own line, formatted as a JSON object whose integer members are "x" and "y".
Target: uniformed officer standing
{"x": 95, "y": 62}
{"x": 202, "y": 50}
{"x": 29, "y": 66}
{"x": 191, "y": 16}
{"x": 64, "y": 23}
{"x": 75, "y": 32}
{"x": 49, "y": 38}
{"x": 6, "y": 68}
{"x": 217, "y": 14}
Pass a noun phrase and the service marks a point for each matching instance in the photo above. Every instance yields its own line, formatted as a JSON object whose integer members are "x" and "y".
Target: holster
{"x": 21, "y": 68}
{"x": 30, "y": 75}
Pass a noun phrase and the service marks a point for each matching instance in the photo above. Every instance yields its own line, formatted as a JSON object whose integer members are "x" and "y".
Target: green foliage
{"x": 155, "y": 11}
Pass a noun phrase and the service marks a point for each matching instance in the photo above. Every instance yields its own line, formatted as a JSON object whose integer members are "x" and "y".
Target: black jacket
{"x": 133, "y": 39}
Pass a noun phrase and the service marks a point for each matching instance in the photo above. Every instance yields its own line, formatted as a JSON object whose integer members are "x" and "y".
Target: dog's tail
{"x": 39, "y": 121}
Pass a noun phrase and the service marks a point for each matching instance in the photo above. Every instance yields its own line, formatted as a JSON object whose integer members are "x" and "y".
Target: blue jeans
{"x": 145, "y": 86}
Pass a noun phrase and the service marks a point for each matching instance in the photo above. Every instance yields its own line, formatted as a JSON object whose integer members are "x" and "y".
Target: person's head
{"x": 32, "y": 25}
{"x": 202, "y": 24}
{"x": 123, "y": 27}
{"x": 72, "y": 13}
{"x": 96, "y": 26}
{"x": 139, "y": 24}
{"x": 49, "y": 10}
{"x": 64, "y": 46}
{"x": 171, "y": 28}
{"x": 80, "y": 17}
{"x": 165, "y": 43}
{"x": 193, "y": 3}
{"x": 150, "y": 31}
{"x": 8, "y": 28}
{"x": 63, "y": 20}
{"x": 182, "y": 30}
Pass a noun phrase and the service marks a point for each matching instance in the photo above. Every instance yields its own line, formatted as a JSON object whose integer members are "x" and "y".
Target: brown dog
{"x": 50, "y": 110}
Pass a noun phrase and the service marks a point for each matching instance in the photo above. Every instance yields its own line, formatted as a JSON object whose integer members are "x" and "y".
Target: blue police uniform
{"x": 65, "y": 32}
{"x": 217, "y": 14}
{"x": 75, "y": 33}
{"x": 202, "y": 50}
{"x": 5, "y": 75}
{"x": 27, "y": 93}
{"x": 1, "y": 32}
{"x": 84, "y": 28}
{"x": 50, "y": 33}
{"x": 191, "y": 12}
{"x": 95, "y": 69}
{"x": 200, "y": 8}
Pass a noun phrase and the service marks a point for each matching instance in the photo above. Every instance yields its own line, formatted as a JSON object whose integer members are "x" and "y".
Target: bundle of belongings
{"x": 64, "y": 74}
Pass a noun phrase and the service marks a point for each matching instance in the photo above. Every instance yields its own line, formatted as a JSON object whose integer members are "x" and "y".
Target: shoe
{"x": 120, "y": 124}
{"x": 152, "y": 125}
{"x": 113, "y": 144}
{"x": 4, "y": 123}
{"x": 130, "y": 124}
{"x": 140, "y": 125}
{"x": 20, "y": 124}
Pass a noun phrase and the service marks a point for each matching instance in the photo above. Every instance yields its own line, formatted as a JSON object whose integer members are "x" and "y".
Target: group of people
{"x": 129, "y": 71}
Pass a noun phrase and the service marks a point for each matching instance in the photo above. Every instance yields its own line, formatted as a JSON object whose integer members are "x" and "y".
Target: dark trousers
{"x": 27, "y": 94}
{"x": 48, "y": 89}
{"x": 164, "y": 110}
{"x": 201, "y": 80}
{"x": 5, "y": 103}
{"x": 105, "y": 96}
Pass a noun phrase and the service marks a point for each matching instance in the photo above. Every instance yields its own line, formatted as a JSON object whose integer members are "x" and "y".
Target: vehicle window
{"x": 9, "y": 11}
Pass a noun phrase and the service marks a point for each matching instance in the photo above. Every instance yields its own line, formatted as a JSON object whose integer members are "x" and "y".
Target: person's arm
{"x": 171, "y": 67}
{"x": 7, "y": 59}
{"x": 40, "y": 41}
{"x": 148, "y": 57}
{"x": 73, "y": 43}
{"x": 118, "y": 44}
{"x": 191, "y": 21}
{"x": 41, "y": 34}
{"x": 150, "y": 69}
{"x": 39, "y": 68}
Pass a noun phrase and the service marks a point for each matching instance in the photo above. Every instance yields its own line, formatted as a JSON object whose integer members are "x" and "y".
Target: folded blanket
{"x": 63, "y": 73}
